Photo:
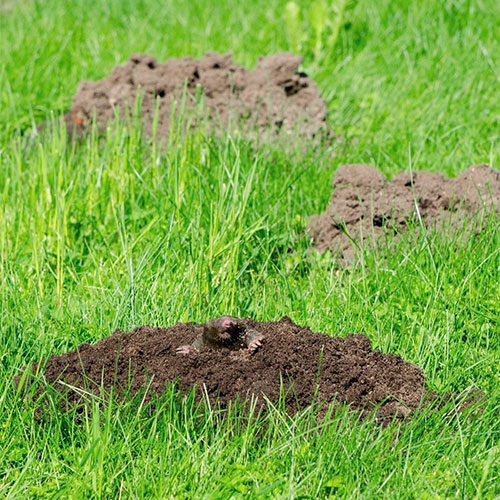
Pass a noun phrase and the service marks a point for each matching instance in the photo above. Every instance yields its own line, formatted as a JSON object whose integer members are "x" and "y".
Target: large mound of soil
{"x": 275, "y": 95}
{"x": 366, "y": 206}
{"x": 313, "y": 367}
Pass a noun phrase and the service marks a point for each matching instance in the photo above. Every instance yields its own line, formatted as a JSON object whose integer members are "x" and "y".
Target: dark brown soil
{"x": 365, "y": 206}
{"x": 274, "y": 96}
{"x": 313, "y": 367}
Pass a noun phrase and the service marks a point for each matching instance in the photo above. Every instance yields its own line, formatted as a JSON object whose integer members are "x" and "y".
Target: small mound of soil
{"x": 366, "y": 206}
{"x": 275, "y": 94}
{"x": 311, "y": 367}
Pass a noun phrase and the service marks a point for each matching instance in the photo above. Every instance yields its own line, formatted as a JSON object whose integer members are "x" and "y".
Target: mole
{"x": 224, "y": 332}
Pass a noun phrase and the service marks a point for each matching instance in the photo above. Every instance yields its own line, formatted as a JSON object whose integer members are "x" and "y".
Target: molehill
{"x": 311, "y": 367}
{"x": 366, "y": 208}
{"x": 274, "y": 97}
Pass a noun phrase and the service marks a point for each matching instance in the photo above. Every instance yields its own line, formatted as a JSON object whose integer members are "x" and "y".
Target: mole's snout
{"x": 226, "y": 323}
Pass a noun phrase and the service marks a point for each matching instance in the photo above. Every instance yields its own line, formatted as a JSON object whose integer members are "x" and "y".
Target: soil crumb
{"x": 311, "y": 367}
{"x": 365, "y": 207}
{"x": 274, "y": 97}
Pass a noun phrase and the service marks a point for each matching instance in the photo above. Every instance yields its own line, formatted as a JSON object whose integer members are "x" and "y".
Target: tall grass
{"x": 119, "y": 232}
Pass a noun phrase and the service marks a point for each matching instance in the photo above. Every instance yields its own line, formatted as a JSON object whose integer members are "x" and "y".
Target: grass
{"x": 113, "y": 234}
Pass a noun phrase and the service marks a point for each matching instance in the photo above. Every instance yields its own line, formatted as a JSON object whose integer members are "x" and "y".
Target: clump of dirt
{"x": 312, "y": 367}
{"x": 274, "y": 96}
{"x": 365, "y": 207}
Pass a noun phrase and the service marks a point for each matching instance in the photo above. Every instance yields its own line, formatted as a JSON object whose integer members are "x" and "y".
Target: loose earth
{"x": 274, "y": 97}
{"x": 366, "y": 208}
{"x": 311, "y": 367}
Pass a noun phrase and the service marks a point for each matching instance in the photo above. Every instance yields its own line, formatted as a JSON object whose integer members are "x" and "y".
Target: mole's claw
{"x": 183, "y": 349}
{"x": 254, "y": 345}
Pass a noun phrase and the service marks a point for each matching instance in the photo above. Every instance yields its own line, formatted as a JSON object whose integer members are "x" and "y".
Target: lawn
{"x": 101, "y": 235}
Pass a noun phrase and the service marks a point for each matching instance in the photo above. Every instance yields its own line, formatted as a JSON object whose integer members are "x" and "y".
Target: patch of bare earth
{"x": 273, "y": 98}
{"x": 366, "y": 208}
{"x": 309, "y": 367}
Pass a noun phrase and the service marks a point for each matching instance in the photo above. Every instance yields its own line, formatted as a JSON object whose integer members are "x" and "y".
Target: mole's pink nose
{"x": 227, "y": 323}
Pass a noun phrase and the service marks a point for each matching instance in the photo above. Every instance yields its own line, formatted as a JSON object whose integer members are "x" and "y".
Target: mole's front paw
{"x": 254, "y": 344}
{"x": 184, "y": 349}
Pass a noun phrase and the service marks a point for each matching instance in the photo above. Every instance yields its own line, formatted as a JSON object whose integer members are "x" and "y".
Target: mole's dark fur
{"x": 226, "y": 332}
